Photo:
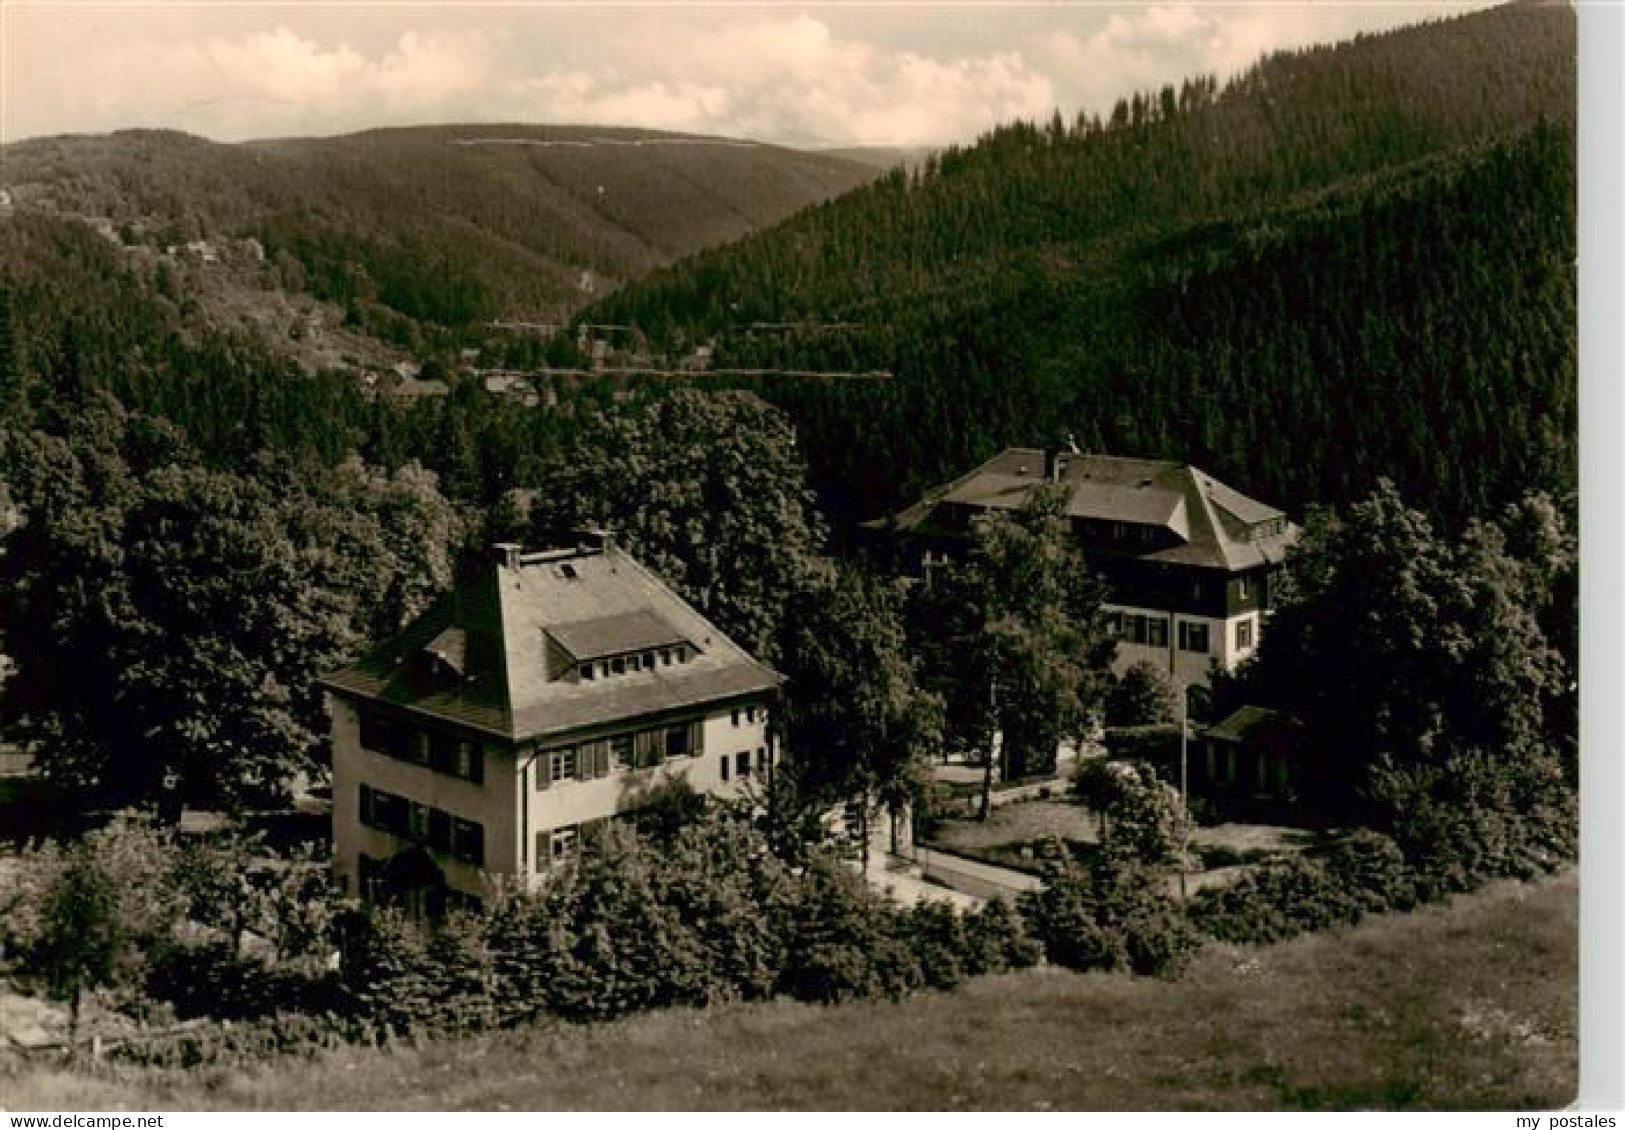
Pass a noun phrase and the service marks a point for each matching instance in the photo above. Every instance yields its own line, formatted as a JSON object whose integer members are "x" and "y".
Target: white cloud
{"x": 790, "y": 78}
{"x": 1145, "y": 48}
{"x": 281, "y": 65}
{"x": 841, "y": 76}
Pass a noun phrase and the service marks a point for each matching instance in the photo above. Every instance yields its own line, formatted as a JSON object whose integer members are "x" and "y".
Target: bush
{"x": 1112, "y": 914}
{"x": 1479, "y": 816}
{"x": 214, "y": 981}
{"x": 843, "y": 942}
{"x": 1372, "y": 870}
{"x": 1158, "y": 745}
{"x": 997, "y": 939}
{"x": 238, "y": 1045}
{"x": 1278, "y": 899}
{"x": 1141, "y": 816}
{"x": 1365, "y": 873}
{"x": 386, "y": 968}
{"x": 1141, "y": 696}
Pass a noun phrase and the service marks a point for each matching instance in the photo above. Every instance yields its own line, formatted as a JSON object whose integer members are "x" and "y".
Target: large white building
{"x": 551, "y": 691}
{"x": 1190, "y": 564}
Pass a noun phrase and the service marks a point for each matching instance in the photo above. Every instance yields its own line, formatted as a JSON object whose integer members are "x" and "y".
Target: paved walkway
{"x": 972, "y": 876}
{"x": 901, "y": 881}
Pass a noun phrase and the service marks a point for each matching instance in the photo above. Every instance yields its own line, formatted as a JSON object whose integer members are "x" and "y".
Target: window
{"x": 617, "y": 666}
{"x": 441, "y": 752}
{"x": 1156, "y": 631}
{"x": 384, "y": 811}
{"x": 634, "y": 662}
{"x": 724, "y": 762}
{"x": 1192, "y": 636}
{"x": 622, "y": 752}
{"x": 561, "y": 765}
{"x": 736, "y": 716}
{"x": 592, "y": 759}
{"x": 1244, "y": 635}
{"x": 417, "y": 750}
{"x": 585, "y": 671}
{"x": 382, "y": 735}
{"x": 742, "y": 763}
{"x": 677, "y": 741}
{"x": 562, "y": 844}
{"x": 1244, "y": 587}
{"x": 649, "y": 748}
{"x": 439, "y": 831}
{"x": 467, "y": 762}
{"x": 1134, "y": 628}
{"x": 468, "y": 841}
{"x": 665, "y": 657}
{"x": 457, "y": 757}
{"x": 648, "y": 661}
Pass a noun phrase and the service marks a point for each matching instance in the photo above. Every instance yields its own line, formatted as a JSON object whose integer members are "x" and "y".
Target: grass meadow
{"x": 1471, "y": 1004}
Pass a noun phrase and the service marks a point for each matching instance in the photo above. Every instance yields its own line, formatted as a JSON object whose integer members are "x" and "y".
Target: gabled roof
{"x": 524, "y": 622}
{"x": 1257, "y": 723}
{"x": 1211, "y": 525}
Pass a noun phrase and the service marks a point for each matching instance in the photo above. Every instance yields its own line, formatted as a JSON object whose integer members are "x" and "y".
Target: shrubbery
{"x": 1114, "y": 914}
{"x": 709, "y": 915}
{"x": 701, "y": 912}
{"x": 1468, "y": 820}
{"x": 1369, "y": 873}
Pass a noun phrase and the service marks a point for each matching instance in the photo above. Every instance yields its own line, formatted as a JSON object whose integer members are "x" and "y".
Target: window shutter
{"x": 544, "y": 770}
{"x": 600, "y": 755}
{"x": 583, "y": 763}
{"x": 649, "y": 751}
{"x": 696, "y": 737}
{"x": 439, "y": 830}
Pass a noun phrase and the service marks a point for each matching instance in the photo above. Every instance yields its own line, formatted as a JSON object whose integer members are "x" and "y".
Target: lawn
{"x": 1471, "y": 1005}
{"x": 1016, "y": 836}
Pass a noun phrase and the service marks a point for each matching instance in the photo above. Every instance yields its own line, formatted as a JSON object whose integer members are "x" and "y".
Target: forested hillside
{"x": 442, "y": 226}
{"x": 1346, "y": 263}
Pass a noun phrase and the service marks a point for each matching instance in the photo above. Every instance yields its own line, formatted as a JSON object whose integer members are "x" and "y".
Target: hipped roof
{"x": 520, "y": 623}
{"x": 1213, "y": 525}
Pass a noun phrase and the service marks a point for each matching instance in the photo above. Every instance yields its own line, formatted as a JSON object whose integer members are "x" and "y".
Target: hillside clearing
{"x": 1470, "y": 1005}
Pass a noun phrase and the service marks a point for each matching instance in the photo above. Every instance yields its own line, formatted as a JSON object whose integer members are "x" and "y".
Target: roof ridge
{"x": 491, "y": 575}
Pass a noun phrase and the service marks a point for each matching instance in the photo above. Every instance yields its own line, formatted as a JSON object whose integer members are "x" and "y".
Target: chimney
{"x": 1054, "y": 465}
{"x": 506, "y": 554}
{"x": 593, "y": 539}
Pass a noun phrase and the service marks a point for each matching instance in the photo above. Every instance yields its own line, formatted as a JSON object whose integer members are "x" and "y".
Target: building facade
{"x": 550, "y": 692}
{"x": 1191, "y": 565}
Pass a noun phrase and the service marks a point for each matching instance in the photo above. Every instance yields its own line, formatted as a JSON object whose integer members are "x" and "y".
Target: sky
{"x": 910, "y": 74}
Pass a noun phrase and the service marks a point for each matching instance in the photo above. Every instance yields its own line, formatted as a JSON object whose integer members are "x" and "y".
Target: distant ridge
{"x": 1366, "y": 247}
{"x": 450, "y": 224}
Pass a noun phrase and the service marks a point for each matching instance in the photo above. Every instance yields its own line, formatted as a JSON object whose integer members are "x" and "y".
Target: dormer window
{"x": 586, "y": 672}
